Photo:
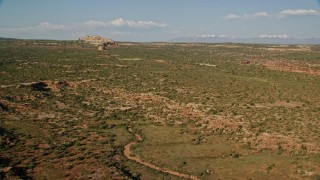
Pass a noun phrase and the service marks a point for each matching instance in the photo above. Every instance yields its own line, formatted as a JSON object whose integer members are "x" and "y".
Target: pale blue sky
{"x": 158, "y": 20}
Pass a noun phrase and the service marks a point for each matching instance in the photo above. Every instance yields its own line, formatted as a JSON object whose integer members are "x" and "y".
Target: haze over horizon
{"x": 145, "y": 20}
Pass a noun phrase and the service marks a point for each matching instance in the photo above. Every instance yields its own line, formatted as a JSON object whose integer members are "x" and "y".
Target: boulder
{"x": 97, "y": 40}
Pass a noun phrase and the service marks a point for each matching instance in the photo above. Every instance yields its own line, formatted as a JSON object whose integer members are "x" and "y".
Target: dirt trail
{"x": 127, "y": 153}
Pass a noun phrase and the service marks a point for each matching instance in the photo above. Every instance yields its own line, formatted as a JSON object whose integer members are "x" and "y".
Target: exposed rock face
{"x": 97, "y": 40}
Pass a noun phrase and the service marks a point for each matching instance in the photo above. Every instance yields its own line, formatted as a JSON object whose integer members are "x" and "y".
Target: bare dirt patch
{"x": 160, "y": 61}
{"x": 278, "y": 104}
{"x": 291, "y": 67}
{"x": 285, "y": 48}
{"x": 129, "y": 59}
{"x": 209, "y": 65}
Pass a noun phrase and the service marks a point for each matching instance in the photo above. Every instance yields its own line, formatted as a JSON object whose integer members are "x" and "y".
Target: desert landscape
{"x": 158, "y": 110}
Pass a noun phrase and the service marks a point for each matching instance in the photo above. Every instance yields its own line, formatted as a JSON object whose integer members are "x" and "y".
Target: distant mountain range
{"x": 226, "y": 39}
{"x": 3, "y": 38}
{"x": 257, "y": 40}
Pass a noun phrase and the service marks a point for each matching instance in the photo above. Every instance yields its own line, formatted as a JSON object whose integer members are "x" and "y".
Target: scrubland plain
{"x": 159, "y": 111}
